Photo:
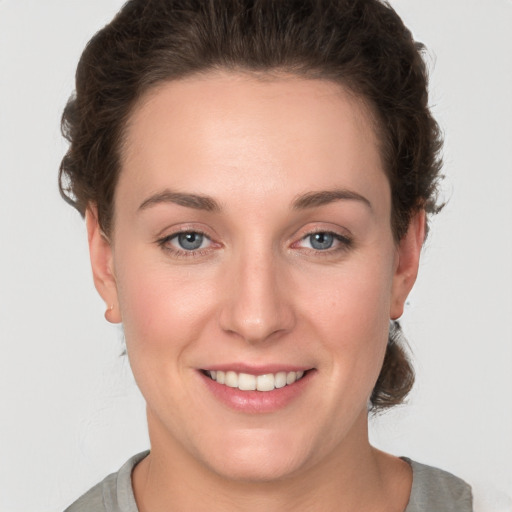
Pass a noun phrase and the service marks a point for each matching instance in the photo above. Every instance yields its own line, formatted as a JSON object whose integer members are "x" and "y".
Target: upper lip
{"x": 256, "y": 369}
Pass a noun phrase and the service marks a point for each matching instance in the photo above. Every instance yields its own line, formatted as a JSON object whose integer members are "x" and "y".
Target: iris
{"x": 190, "y": 241}
{"x": 321, "y": 241}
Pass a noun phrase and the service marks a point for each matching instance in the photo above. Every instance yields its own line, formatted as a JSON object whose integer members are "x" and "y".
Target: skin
{"x": 257, "y": 291}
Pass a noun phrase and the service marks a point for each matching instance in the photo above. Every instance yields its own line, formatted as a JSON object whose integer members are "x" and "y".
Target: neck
{"x": 354, "y": 476}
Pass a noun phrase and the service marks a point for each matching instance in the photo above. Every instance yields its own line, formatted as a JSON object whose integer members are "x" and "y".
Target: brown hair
{"x": 361, "y": 44}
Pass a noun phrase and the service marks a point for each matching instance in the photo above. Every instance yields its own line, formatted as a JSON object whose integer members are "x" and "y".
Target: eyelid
{"x": 322, "y": 227}
{"x": 344, "y": 240}
{"x": 175, "y": 237}
{"x": 184, "y": 227}
{"x": 163, "y": 240}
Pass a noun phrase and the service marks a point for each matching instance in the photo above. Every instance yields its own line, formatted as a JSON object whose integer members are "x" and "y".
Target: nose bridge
{"x": 257, "y": 305}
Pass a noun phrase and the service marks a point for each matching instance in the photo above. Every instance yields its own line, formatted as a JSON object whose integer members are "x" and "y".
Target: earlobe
{"x": 100, "y": 252}
{"x": 408, "y": 257}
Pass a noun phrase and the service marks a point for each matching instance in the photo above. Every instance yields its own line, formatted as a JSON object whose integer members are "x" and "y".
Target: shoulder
{"x": 95, "y": 499}
{"x": 113, "y": 494}
{"x": 434, "y": 489}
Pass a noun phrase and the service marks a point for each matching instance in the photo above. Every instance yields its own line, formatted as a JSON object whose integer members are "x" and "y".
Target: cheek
{"x": 356, "y": 297}
{"x": 163, "y": 308}
{"x": 351, "y": 315}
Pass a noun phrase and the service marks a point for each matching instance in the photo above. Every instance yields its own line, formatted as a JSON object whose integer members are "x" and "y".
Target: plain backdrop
{"x": 69, "y": 410}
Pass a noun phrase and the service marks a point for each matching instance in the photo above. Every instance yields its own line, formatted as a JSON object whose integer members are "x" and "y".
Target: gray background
{"x": 69, "y": 410}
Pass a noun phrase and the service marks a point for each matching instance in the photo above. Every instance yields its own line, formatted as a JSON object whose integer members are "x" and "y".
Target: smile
{"x": 248, "y": 382}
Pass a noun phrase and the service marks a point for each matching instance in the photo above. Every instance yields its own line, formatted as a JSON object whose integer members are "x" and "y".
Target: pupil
{"x": 321, "y": 241}
{"x": 190, "y": 241}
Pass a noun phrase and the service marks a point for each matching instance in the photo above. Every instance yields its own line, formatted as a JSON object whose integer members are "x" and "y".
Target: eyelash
{"x": 164, "y": 243}
{"x": 345, "y": 243}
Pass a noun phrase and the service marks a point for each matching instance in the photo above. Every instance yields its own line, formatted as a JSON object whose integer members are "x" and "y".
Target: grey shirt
{"x": 433, "y": 490}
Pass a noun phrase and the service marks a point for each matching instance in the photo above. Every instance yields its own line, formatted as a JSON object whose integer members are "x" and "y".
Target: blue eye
{"x": 325, "y": 242}
{"x": 189, "y": 241}
{"x": 321, "y": 241}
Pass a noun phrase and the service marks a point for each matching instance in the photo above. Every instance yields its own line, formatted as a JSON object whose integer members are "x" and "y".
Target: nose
{"x": 257, "y": 306}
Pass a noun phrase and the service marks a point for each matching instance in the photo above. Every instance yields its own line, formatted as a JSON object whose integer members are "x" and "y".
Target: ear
{"x": 408, "y": 258}
{"x": 100, "y": 252}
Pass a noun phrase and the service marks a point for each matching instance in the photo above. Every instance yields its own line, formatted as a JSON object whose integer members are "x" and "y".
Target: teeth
{"x": 280, "y": 380}
{"x": 231, "y": 379}
{"x": 266, "y": 382}
{"x": 247, "y": 382}
{"x": 291, "y": 377}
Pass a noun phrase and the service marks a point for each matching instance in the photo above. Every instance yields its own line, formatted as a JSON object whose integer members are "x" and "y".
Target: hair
{"x": 362, "y": 45}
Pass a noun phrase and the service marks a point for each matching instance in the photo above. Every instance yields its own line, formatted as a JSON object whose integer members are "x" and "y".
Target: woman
{"x": 256, "y": 179}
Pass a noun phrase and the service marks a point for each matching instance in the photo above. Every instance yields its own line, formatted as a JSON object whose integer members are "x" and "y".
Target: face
{"x": 253, "y": 266}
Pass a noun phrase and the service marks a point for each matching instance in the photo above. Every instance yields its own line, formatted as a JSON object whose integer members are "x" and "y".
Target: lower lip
{"x": 258, "y": 401}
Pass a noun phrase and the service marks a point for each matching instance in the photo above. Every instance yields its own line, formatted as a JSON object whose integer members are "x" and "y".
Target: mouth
{"x": 253, "y": 390}
{"x": 248, "y": 382}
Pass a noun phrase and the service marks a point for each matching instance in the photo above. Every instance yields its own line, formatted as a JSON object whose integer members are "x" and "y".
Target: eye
{"x": 321, "y": 241}
{"x": 325, "y": 241}
{"x": 189, "y": 241}
{"x": 185, "y": 242}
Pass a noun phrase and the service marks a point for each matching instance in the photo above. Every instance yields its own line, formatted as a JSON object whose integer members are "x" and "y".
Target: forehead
{"x": 250, "y": 134}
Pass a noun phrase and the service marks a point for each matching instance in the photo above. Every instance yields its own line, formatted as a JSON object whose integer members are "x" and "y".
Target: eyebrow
{"x": 196, "y": 201}
{"x": 323, "y": 197}
{"x": 206, "y": 203}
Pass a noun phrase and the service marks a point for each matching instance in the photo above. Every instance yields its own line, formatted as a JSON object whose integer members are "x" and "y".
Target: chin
{"x": 257, "y": 457}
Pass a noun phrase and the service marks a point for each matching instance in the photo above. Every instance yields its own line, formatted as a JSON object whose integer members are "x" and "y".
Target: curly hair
{"x": 361, "y": 44}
